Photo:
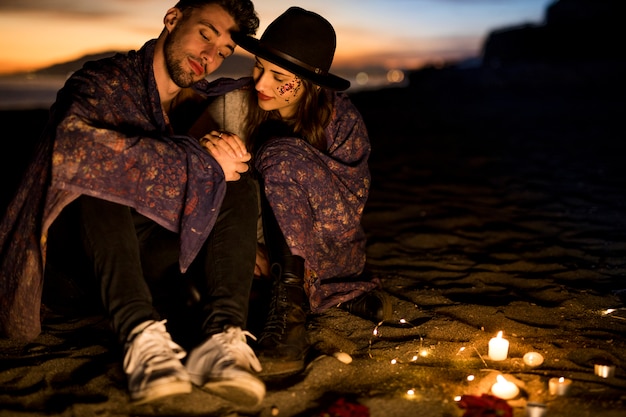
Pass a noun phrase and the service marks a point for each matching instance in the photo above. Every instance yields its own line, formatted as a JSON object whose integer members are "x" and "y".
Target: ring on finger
{"x": 220, "y": 135}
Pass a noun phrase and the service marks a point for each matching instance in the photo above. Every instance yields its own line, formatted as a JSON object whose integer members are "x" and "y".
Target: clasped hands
{"x": 229, "y": 151}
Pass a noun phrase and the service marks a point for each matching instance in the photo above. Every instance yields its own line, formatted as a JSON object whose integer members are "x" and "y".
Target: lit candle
{"x": 498, "y": 348}
{"x": 533, "y": 359}
{"x": 504, "y": 388}
{"x": 559, "y": 386}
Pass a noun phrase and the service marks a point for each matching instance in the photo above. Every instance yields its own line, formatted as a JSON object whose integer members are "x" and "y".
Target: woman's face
{"x": 277, "y": 88}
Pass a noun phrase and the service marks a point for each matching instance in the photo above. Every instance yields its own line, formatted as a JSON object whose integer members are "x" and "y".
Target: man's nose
{"x": 209, "y": 53}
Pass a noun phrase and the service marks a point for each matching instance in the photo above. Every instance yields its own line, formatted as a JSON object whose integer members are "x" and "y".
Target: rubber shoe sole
{"x": 278, "y": 368}
{"x": 163, "y": 390}
{"x": 241, "y": 388}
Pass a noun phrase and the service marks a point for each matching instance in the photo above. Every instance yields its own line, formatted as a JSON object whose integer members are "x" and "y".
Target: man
{"x": 155, "y": 209}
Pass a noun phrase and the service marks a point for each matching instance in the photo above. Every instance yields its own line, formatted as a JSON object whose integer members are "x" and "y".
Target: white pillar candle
{"x": 498, "y": 348}
{"x": 503, "y": 388}
{"x": 559, "y": 386}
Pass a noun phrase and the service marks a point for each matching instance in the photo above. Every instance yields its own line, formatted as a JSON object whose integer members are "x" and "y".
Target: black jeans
{"x": 135, "y": 261}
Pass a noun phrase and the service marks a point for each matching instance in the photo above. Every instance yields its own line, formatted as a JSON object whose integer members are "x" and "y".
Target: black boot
{"x": 373, "y": 305}
{"x": 283, "y": 344}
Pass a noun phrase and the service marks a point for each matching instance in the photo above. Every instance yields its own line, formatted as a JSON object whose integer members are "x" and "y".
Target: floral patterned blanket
{"x": 107, "y": 137}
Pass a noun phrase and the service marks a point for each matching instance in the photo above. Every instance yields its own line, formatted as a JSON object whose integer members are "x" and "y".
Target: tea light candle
{"x": 604, "y": 371}
{"x": 503, "y": 388}
{"x": 533, "y": 359}
{"x": 536, "y": 410}
{"x": 559, "y": 386}
{"x": 498, "y": 348}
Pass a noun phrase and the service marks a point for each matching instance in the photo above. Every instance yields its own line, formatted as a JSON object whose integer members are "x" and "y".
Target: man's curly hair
{"x": 242, "y": 12}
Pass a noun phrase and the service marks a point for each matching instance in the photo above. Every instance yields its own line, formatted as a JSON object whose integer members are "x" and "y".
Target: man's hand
{"x": 229, "y": 151}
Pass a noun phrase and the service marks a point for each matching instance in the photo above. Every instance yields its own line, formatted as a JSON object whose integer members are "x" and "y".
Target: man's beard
{"x": 180, "y": 77}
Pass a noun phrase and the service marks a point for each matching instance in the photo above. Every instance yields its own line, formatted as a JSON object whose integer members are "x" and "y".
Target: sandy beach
{"x": 498, "y": 204}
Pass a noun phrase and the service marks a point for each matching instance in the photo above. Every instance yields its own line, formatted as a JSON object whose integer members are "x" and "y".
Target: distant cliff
{"x": 578, "y": 49}
{"x": 69, "y": 67}
{"x": 574, "y": 30}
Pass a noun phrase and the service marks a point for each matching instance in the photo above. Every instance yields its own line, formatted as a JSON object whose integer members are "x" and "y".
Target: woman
{"x": 311, "y": 149}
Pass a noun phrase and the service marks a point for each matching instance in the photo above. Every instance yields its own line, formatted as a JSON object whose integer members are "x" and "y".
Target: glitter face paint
{"x": 292, "y": 86}
{"x": 277, "y": 88}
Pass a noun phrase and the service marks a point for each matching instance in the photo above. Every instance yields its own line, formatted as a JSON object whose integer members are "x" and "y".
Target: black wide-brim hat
{"x": 301, "y": 42}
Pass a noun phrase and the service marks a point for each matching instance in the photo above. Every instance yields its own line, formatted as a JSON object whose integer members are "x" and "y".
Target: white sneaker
{"x": 152, "y": 363}
{"x": 223, "y": 365}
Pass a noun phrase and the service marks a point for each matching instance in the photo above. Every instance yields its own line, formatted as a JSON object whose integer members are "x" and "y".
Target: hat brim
{"x": 254, "y": 46}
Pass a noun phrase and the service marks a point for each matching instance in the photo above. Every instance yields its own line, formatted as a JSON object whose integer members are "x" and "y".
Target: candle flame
{"x": 561, "y": 380}
{"x": 501, "y": 379}
{"x": 500, "y": 334}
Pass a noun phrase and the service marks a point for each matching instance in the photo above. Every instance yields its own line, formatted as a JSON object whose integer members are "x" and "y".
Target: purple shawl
{"x": 318, "y": 200}
{"x": 107, "y": 137}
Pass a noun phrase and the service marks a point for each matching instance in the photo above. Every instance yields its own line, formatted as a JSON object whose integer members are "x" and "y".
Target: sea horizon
{"x": 32, "y": 92}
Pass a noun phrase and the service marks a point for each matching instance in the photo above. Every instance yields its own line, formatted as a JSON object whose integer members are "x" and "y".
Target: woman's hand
{"x": 262, "y": 264}
{"x": 229, "y": 151}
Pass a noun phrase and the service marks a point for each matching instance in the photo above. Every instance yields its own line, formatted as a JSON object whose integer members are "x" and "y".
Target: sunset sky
{"x": 392, "y": 33}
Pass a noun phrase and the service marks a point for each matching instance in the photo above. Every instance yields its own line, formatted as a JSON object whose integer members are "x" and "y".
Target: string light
{"x": 410, "y": 393}
{"x": 421, "y": 351}
{"x": 375, "y": 333}
{"x": 610, "y": 311}
{"x": 480, "y": 356}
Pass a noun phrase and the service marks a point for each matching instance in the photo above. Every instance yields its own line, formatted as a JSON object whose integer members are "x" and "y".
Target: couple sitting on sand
{"x": 167, "y": 220}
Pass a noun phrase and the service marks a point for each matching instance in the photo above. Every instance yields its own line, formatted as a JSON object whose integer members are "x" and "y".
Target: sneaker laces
{"x": 233, "y": 341}
{"x": 152, "y": 348}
